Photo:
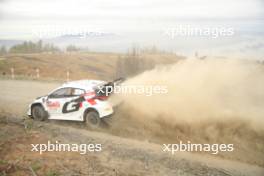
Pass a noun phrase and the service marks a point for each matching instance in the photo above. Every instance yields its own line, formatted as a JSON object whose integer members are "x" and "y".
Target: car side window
{"x": 66, "y": 92}
{"x": 77, "y": 92}
{"x": 60, "y": 93}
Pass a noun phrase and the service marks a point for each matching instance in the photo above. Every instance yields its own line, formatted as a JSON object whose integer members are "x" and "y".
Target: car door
{"x": 71, "y": 109}
{"x": 64, "y": 103}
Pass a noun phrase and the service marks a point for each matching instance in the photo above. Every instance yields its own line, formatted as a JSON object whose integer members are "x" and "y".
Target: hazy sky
{"x": 121, "y": 9}
{"x": 138, "y": 21}
{"x": 117, "y": 15}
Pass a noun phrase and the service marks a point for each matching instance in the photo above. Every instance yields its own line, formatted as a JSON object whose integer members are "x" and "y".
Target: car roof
{"x": 87, "y": 85}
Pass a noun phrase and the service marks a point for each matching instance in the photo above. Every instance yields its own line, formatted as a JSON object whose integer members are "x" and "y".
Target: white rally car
{"x": 81, "y": 100}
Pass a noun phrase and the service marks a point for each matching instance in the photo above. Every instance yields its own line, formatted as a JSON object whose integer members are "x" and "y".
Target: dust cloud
{"x": 201, "y": 91}
{"x": 207, "y": 101}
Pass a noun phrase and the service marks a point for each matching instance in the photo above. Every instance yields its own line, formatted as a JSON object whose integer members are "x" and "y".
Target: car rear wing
{"x": 108, "y": 88}
{"x": 118, "y": 81}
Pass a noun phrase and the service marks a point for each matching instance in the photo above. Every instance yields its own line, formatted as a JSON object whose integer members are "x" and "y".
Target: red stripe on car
{"x": 91, "y": 101}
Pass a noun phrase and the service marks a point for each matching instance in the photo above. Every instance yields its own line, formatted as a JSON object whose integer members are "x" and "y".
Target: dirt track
{"x": 120, "y": 156}
{"x": 21, "y": 93}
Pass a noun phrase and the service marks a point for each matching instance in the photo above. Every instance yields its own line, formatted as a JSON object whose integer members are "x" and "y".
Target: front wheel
{"x": 38, "y": 113}
{"x": 92, "y": 119}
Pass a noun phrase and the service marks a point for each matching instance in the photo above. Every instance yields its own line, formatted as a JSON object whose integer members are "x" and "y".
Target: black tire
{"x": 38, "y": 113}
{"x": 92, "y": 119}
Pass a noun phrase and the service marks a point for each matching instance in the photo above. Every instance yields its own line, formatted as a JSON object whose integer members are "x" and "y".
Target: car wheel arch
{"x": 37, "y": 104}
{"x": 89, "y": 110}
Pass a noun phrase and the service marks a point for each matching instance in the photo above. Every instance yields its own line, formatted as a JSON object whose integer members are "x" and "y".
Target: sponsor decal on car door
{"x": 64, "y": 104}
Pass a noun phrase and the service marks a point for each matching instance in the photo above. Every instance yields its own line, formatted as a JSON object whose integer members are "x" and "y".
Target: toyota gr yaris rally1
{"x": 83, "y": 100}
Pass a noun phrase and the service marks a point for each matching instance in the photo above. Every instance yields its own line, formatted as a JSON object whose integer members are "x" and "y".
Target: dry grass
{"x": 80, "y": 65}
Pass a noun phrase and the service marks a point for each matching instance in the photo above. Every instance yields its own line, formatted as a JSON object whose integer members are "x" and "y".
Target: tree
{"x": 39, "y": 46}
{"x": 31, "y": 47}
{"x": 3, "y": 50}
{"x": 132, "y": 64}
{"x": 72, "y": 48}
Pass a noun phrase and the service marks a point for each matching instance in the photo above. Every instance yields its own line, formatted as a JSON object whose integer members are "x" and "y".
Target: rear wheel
{"x": 92, "y": 119}
{"x": 38, "y": 113}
